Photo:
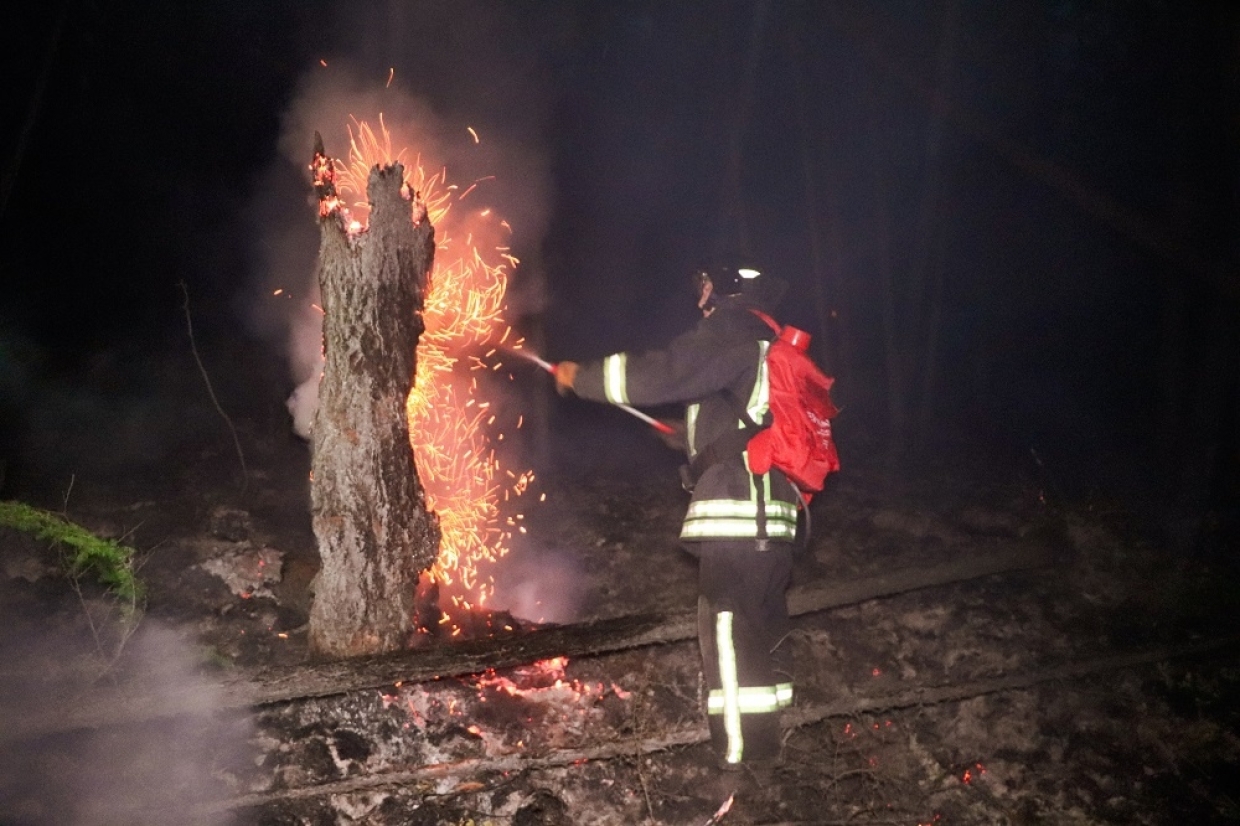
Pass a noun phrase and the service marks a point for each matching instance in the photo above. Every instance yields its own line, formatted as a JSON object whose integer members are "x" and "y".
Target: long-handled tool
{"x": 550, "y": 368}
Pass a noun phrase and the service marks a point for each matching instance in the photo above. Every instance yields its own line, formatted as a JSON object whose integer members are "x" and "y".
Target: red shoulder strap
{"x": 770, "y": 322}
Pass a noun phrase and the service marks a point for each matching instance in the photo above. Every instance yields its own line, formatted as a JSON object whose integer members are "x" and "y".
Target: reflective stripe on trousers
{"x": 754, "y": 699}
{"x": 731, "y": 706}
{"x": 732, "y": 699}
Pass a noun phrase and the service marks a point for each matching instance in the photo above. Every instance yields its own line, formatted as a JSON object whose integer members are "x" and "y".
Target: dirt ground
{"x": 1101, "y": 688}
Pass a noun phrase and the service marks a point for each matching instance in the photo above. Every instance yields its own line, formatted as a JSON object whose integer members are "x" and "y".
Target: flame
{"x": 541, "y": 680}
{"x": 448, "y": 419}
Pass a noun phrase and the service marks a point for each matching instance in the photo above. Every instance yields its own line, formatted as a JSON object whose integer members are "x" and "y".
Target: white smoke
{"x": 331, "y": 101}
{"x": 539, "y": 585}
{"x": 301, "y": 405}
{"x": 131, "y": 771}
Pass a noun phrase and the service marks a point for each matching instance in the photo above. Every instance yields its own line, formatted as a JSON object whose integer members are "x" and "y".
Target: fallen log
{"x": 136, "y": 702}
{"x": 1017, "y": 557}
{"x": 599, "y": 637}
{"x": 693, "y": 734}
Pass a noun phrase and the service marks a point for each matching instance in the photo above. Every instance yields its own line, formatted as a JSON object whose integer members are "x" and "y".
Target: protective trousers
{"x": 742, "y": 629}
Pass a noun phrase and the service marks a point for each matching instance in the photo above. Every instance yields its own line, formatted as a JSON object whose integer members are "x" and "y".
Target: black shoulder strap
{"x": 730, "y": 444}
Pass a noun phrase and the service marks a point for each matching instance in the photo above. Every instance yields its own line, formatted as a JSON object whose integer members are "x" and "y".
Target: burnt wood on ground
{"x": 599, "y": 637}
{"x": 695, "y": 733}
{"x": 128, "y": 704}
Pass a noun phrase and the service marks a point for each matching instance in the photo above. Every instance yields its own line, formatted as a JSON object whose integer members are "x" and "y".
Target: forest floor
{"x": 1102, "y": 687}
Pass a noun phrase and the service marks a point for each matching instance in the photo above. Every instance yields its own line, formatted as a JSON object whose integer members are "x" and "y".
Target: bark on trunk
{"x": 374, "y": 533}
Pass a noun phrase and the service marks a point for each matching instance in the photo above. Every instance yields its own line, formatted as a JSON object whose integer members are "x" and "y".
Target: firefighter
{"x": 740, "y": 526}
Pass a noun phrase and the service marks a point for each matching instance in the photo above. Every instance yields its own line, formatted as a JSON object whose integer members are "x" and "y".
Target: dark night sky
{"x": 1068, "y": 167}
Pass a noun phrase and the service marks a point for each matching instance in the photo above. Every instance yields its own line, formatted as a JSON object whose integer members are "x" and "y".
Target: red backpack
{"x": 796, "y": 437}
{"x": 799, "y": 441}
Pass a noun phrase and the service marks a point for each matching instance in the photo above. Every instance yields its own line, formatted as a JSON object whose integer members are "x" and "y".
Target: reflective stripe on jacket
{"x": 723, "y": 352}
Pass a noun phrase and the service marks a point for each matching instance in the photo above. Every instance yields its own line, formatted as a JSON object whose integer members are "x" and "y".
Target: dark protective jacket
{"x": 724, "y": 351}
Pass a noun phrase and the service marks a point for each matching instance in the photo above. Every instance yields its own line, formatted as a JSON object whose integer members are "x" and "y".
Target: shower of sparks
{"x": 449, "y": 420}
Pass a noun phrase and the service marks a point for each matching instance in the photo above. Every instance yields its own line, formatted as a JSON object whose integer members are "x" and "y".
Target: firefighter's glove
{"x": 565, "y": 375}
{"x": 674, "y": 434}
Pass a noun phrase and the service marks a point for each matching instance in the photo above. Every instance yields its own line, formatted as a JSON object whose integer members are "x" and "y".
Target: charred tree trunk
{"x": 733, "y": 237}
{"x": 912, "y": 280}
{"x": 825, "y": 264}
{"x": 374, "y": 533}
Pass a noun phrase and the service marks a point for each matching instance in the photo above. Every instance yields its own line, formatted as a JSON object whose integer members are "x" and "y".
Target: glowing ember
{"x": 448, "y": 419}
{"x": 972, "y": 773}
{"x": 526, "y": 710}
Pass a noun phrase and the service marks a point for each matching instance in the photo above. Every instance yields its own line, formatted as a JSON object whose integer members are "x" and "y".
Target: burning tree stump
{"x": 374, "y": 532}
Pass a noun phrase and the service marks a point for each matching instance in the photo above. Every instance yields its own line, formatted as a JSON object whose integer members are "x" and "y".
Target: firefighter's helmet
{"x": 726, "y": 282}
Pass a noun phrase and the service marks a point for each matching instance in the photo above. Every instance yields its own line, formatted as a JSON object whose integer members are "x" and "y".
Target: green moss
{"x": 109, "y": 561}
